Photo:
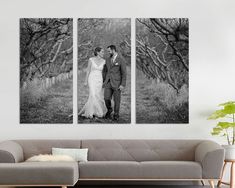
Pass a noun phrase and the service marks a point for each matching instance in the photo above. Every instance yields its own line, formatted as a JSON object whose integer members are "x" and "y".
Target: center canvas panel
{"x": 104, "y": 70}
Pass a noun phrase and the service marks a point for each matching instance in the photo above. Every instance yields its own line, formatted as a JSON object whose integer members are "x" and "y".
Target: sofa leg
{"x": 211, "y": 182}
{"x": 63, "y": 186}
{"x": 203, "y": 183}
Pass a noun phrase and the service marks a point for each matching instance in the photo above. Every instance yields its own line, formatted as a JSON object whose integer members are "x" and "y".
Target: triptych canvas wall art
{"x": 46, "y": 70}
{"x": 162, "y": 70}
{"x": 92, "y": 34}
{"x": 105, "y": 66}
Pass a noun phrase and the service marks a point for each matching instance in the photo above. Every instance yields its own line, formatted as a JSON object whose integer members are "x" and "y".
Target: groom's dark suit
{"x": 114, "y": 75}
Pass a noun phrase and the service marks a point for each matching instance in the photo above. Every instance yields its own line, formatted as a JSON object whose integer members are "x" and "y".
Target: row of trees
{"x": 162, "y": 47}
{"x": 46, "y": 48}
{"x": 103, "y": 32}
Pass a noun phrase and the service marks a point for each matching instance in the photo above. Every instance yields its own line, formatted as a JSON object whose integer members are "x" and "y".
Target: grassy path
{"x": 125, "y": 109}
{"x": 54, "y": 107}
{"x": 149, "y": 105}
{"x": 148, "y": 110}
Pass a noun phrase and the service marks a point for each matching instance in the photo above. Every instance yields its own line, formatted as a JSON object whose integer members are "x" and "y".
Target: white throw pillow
{"x": 77, "y": 154}
{"x": 50, "y": 158}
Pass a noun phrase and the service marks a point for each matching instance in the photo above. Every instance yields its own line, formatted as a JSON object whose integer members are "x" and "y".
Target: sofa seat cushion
{"x": 140, "y": 170}
{"x": 171, "y": 169}
{"x": 109, "y": 170}
{"x": 39, "y": 173}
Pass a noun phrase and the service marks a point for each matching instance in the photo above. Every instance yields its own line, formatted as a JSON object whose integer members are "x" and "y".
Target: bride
{"x": 95, "y": 105}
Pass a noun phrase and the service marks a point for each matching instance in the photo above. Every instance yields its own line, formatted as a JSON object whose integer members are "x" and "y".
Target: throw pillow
{"x": 50, "y": 158}
{"x": 77, "y": 154}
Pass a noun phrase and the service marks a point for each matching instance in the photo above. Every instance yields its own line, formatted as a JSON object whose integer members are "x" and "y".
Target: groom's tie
{"x": 112, "y": 60}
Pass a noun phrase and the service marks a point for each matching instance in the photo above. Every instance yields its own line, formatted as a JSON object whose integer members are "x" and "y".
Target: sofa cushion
{"x": 109, "y": 169}
{"x": 140, "y": 170}
{"x": 141, "y": 150}
{"x": 171, "y": 169}
{"x": 39, "y": 173}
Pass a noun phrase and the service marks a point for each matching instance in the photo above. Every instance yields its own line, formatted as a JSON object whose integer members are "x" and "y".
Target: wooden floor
{"x": 131, "y": 186}
{"x": 152, "y": 186}
{"x": 148, "y": 186}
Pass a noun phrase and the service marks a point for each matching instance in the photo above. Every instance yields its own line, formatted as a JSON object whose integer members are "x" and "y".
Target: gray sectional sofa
{"x": 112, "y": 160}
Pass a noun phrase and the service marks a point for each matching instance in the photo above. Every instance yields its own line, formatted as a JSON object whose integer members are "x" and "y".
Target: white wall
{"x": 212, "y": 63}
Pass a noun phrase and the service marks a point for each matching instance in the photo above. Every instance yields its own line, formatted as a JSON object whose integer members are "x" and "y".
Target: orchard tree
{"x": 102, "y": 32}
{"x": 46, "y": 47}
{"x": 162, "y": 47}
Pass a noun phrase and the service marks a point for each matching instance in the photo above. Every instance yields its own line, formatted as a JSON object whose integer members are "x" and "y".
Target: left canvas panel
{"x": 46, "y": 70}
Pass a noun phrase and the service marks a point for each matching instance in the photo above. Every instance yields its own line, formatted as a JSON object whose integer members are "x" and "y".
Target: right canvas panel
{"x": 162, "y": 70}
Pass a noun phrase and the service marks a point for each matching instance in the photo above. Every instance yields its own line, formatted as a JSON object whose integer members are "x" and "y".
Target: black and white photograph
{"x": 162, "y": 70}
{"x": 104, "y": 70}
{"x": 46, "y": 70}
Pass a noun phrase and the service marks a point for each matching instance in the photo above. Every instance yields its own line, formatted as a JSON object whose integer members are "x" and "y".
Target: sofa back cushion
{"x": 36, "y": 147}
{"x": 140, "y": 150}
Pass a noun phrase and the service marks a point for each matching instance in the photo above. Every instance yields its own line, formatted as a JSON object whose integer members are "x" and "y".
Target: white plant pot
{"x": 229, "y": 152}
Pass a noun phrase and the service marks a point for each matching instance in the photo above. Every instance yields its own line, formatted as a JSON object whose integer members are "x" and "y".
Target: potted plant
{"x": 226, "y": 128}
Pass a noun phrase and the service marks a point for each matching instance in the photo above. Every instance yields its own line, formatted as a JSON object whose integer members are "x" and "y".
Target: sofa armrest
{"x": 11, "y": 152}
{"x": 211, "y": 156}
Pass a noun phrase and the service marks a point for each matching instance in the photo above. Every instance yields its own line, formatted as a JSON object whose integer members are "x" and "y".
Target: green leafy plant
{"x": 225, "y": 128}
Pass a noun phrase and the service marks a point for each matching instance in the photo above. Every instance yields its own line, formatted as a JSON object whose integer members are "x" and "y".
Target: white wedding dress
{"x": 95, "y": 105}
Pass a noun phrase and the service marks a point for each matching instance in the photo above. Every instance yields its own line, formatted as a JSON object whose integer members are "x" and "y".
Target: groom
{"x": 114, "y": 76}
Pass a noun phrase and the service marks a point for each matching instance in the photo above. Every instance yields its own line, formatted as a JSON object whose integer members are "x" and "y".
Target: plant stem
{"x": 227, "y": 135}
